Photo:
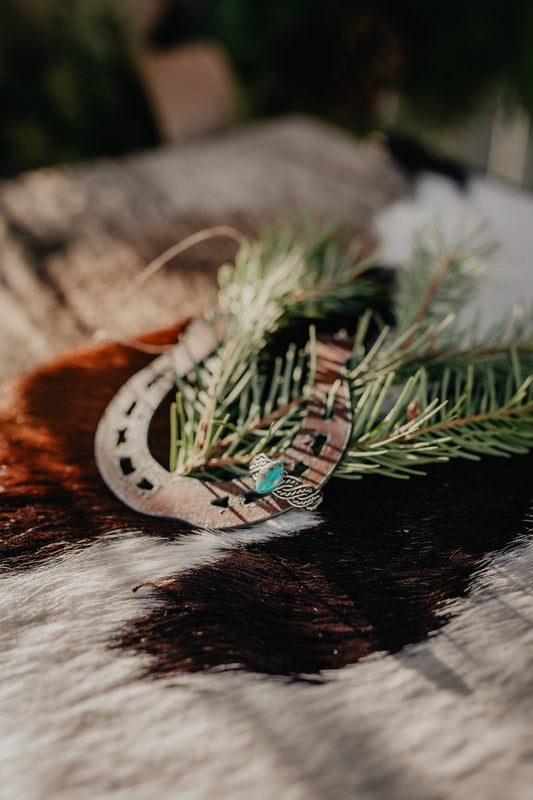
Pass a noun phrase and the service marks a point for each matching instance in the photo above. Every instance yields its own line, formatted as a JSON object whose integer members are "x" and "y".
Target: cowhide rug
{"x": 381, "y": 647}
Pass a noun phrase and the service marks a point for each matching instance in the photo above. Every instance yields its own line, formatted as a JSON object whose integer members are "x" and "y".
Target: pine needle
{"x": 423, "y": 389}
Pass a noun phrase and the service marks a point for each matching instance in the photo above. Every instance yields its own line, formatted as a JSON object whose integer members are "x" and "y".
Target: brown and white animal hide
{"x": 378, "y": 648}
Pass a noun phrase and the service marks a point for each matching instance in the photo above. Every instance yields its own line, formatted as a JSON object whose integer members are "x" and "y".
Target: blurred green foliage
{"x": 68, "y": 85}
{"x": 69, "y": 88}
{"x": 338, "y": 58}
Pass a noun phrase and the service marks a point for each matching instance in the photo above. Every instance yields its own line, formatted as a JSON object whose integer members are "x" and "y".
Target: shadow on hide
{"x": 375, "y": 575}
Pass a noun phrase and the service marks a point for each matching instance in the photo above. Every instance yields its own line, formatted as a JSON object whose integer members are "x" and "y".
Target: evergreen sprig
{"x": 418, "y": 396}
{"x": 244, "y": 399}
{"x": 423, "y": 389}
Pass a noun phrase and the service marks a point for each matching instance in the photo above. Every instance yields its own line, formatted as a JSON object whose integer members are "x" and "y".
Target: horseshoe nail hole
{"x": 318, "y": 444}
{"x": 126, "y": 466}
{"x": 121, "y": 436}
{"x": 298, "y": 469}
{"x": 159, "y": 430}
{"x": 250, "y": 497}
{"x": 222, "y": 502}
{"x": 145, "y": 484}
{"x": 130, "y": 409}
{"x": 154, "y": 381}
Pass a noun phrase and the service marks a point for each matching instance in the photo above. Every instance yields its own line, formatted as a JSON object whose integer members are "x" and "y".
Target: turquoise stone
{"x": 269, "y": 477}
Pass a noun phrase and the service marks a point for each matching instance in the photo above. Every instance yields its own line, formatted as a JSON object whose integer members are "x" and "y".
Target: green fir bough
{"x": 424, "y": 389}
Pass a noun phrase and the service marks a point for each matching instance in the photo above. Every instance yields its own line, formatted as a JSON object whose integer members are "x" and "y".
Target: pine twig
{"x": 260, "y": 423}
{"x": 438, "y": 276}
{"x": 472, "y": 419}
{"x": 210, "y": 458}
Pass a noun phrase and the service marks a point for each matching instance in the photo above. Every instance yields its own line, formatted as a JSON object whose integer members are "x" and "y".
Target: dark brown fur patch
{"x": 376, "y": 574}
{"x": 52, "y": 494}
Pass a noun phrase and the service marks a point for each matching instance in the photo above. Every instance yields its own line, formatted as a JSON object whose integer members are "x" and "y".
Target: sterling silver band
{"x": 298, "y": 493}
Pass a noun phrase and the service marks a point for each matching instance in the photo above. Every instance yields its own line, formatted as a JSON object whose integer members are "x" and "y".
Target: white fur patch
{"x": 504, "y": 213}
{"x": 444, "y": 718}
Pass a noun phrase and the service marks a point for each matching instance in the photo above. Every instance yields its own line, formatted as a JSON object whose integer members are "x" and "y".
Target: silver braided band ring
{"x": 270, "y": 477}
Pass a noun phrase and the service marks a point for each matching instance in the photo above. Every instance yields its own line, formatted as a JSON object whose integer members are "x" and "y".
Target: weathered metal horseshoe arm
{"x": 135, "y": 477}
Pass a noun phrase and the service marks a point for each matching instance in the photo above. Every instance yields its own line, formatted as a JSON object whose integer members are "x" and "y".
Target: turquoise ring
{"x": 270, "y": 477}
{"x": 267, "y": 473}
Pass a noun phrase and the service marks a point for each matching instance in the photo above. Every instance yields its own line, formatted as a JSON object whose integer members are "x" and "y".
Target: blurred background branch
{"x": 69, "y": 87}
{"x": 80, "y": 79}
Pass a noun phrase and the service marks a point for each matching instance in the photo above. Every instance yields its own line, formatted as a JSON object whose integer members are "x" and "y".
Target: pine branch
{"x": 211, "y": 459}
{"x": 241, "y": 402}
{"x": 441, "y": 413}
{"x": 417, "y": 398}
{"x": 420, "y": 393}
{"x": 431, "y": 291}
{"x": 439, "y": 279}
